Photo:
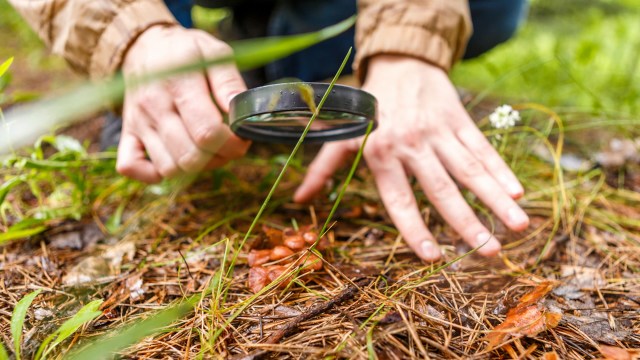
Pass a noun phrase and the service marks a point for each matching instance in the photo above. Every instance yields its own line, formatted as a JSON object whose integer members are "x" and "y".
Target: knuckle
{"x": 147, "y": 100}
{"x": 380, "y": 148}
{"x": 124, "y": 168}
{"x": 205, "y": 137}
{"x": 401, "y": 200}
{"x": 471, "y": 168}
{"x": 192, "y": 161}
{"x": 442, "y": 188}
{"x": 167, "y": 170}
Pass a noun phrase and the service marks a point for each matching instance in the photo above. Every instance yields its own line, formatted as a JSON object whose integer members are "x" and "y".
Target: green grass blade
{"x": 107, "y": 345}
{"x": 5, "y": 66}
{"x": 14, "y": 234}
{"x": 8, "y": 185}
{"x": 17, "y": 319}
{"x": 83, "y": 316}
{"x": 26, "y": 123}
{"x": 3, "y": 353}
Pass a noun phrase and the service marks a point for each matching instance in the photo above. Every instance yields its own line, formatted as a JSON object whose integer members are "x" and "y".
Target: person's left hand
{"x": 425, "y": 131}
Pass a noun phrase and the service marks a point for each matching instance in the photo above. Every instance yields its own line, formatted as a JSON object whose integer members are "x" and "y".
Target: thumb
{"x": 329, "y": 159}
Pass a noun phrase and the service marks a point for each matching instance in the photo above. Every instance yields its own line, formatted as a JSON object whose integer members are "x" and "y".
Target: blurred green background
{"x": 576, "y": 54}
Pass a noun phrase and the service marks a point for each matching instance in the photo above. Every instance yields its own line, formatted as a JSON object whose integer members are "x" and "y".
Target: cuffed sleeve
{"x": 435, "y": 31}
{"x": 92, "y": 35}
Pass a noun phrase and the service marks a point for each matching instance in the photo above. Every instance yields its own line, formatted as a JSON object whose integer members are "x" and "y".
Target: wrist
{"x": 138, "y": 47}
{"x": 399, "y": 66}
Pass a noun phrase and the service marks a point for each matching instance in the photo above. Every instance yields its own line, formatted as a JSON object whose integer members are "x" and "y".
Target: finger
{"x": 478, "y": 145}
{"x": 160, "y": 157}
{"x": 234, "y": 148}
{"x": 162, "y": 119}
{"x": 132, "y": 161}
{"x": 225, "y": 79}
{"x": 329, "y": 159}
{"x": 398, "y": 199}
{"x": 203, "y": 121}
{"x": 185, "y": 153}
{"x": 446, "y": 198}
{"x": 467, "y": 169}
{"x": 216, "y": 162}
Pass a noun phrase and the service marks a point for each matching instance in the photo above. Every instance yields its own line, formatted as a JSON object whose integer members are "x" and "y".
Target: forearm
{"x": 435, "y": 31}
{"x": 92, "y": 35}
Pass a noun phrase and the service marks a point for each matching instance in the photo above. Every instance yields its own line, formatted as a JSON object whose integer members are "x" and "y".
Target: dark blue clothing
{"x": 494, "y": 21}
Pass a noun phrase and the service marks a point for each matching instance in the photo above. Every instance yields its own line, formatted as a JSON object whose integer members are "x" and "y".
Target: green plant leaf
{"x": 105, "y": 346}
{"x": 83, "y": 316}
{"x": 5, "y": 66}
{"x": 19, "y": 233}
{"x": 3, "y": 353}
{"x": 17, "y": 319}
{"x": 8, "y": 185}
{"x": 27, "y": 122}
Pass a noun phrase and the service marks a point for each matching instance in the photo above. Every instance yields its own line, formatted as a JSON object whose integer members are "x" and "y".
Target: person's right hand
{"x": 174, "y": 126}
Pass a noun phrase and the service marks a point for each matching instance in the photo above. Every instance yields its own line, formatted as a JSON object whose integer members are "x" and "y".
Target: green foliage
{"x": 3, "y": 353}
{"x": 580, "y": 54}
{"x": 86, "y": 314}
{"x": 119, "y": 339}
{"x": 17, "y": 320}
{"x": 5, "y": 66}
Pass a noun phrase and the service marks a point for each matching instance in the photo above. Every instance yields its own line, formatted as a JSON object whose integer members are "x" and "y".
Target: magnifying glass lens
{"x": 280, "y": 113}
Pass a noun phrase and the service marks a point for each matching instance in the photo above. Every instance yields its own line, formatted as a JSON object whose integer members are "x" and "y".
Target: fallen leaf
{"x": 528, "y": 318}
{"x": 258, "y": 278}
{"x": 552, "y": 355}
{"x": 582, "y": 277}
{"x": 616, "y": 353}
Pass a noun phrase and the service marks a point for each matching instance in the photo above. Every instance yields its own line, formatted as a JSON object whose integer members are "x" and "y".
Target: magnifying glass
{"x": 279, "y": 113}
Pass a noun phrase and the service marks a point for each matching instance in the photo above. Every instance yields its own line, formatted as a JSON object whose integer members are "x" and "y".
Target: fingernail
{"x": 515, "y": 189}
{"x": 430, "y": 250}
{"x": 490, "y": 245}
{"x": 517, "y": 217}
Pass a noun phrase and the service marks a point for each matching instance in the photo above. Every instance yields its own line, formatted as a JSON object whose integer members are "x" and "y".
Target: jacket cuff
{"x": 124, "y": 29}
{"x": 416, "y": 42}
{"x": 433, "y": 31}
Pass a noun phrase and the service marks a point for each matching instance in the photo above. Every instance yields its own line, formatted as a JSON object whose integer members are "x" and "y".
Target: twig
{"x": 315, "y": 310}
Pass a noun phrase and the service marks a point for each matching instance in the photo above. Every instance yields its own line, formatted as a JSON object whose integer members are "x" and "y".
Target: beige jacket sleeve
{"x": 92, "y": 35}
{"x": 435, "y": 31}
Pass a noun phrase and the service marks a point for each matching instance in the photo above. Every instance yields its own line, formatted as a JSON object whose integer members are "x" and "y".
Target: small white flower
{"x": 504, "y": 117}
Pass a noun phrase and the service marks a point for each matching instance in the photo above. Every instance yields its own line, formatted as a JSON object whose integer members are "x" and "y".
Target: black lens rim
{"x": 342, "y": 99}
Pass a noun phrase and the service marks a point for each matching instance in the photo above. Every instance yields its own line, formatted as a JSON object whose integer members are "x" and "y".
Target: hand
{"x": 425, "y": 131}
{"x": 176, "y": 121}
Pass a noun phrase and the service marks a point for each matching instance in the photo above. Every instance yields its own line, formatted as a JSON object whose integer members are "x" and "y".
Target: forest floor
{"x": 566, "y": 288}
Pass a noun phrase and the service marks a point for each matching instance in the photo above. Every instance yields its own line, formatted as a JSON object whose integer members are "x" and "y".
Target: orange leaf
{"x": 538, "y": 293}
{"x": 616, "y": 353}
{"x": 528, "y": 318}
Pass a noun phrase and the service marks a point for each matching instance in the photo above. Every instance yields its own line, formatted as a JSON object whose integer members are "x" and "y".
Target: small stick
{"x": 315, "y": 310}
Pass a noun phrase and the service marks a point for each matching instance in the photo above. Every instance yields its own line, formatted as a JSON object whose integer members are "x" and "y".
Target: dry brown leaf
{"x": 550, "y": 356}
{"x": 528, "y": 318}
{"x": 258, "y": 278}
{"x": 616, "y": 353}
